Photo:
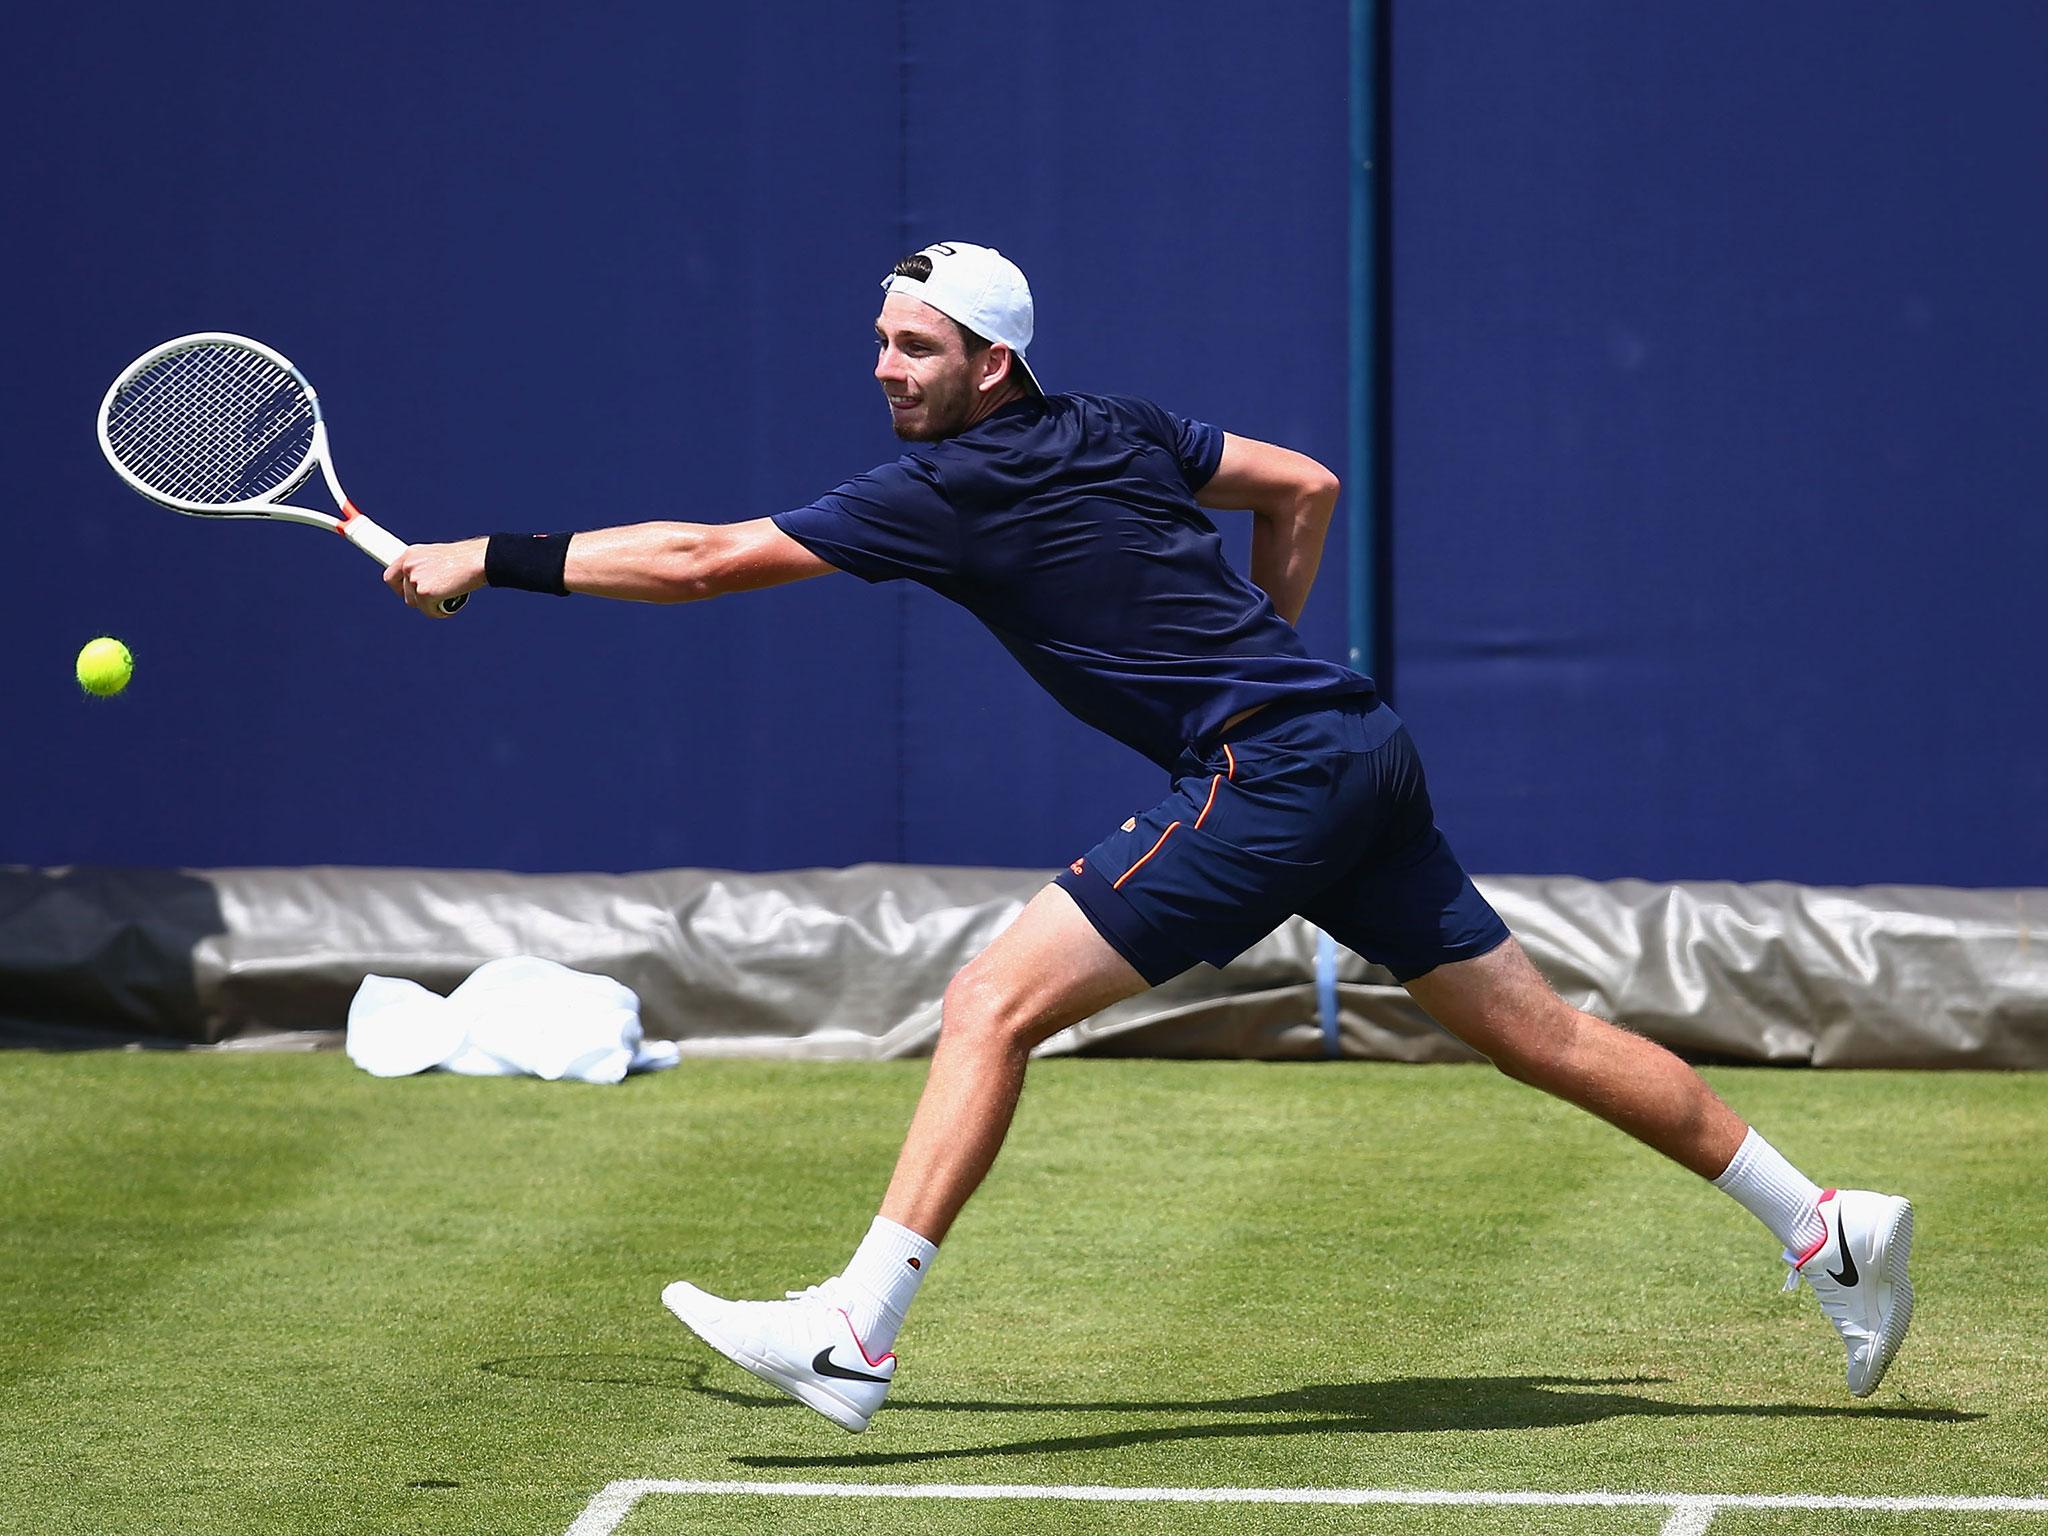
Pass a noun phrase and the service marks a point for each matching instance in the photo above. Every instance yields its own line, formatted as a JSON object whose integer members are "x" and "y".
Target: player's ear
{"x": 997, "y": 364}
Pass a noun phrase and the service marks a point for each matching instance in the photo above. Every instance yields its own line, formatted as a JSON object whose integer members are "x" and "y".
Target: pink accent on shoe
{"x": 1799, "y": 1260}
{"x": 891, "y": 1355}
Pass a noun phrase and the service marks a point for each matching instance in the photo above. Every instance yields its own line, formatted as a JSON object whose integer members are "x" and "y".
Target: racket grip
{"x": 384, "y": 546}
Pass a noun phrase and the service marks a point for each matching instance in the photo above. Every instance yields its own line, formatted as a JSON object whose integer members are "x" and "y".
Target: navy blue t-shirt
{"x": 1068, "y": 525}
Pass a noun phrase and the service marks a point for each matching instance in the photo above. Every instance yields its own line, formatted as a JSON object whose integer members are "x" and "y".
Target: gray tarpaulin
{"x": 851, "y": 963}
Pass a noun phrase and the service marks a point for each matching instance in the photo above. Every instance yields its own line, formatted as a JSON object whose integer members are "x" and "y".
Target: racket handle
{"x": 384, "y": 546}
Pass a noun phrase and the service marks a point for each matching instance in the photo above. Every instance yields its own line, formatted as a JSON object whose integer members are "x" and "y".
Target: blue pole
{"x": 1361, "y": 501}
{"x": 1326, "y": 995}
{"x": 1361, "y": 480}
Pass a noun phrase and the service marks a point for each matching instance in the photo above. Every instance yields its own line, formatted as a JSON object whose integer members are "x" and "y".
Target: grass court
{"x": 264, "y": 1292}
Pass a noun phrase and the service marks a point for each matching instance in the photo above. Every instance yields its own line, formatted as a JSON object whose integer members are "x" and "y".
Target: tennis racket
{"x": 216, "y": 425}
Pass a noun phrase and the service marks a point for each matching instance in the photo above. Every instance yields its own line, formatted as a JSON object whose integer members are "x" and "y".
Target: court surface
{"x": 266, "y": 1292}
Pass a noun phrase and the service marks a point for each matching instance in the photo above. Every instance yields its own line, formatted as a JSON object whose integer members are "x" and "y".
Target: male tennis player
{"x": 1073, "y": 526}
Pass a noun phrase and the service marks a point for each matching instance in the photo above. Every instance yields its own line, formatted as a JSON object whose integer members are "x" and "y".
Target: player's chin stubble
{"x": 933, "y": 422}
{"x": 929, "y": 432}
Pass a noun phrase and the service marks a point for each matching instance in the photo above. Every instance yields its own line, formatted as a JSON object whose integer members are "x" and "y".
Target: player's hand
{"x": 427, "y": 574}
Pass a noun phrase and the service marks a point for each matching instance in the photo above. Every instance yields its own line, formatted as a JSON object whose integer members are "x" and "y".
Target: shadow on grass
{"x": 1400, "y": 1405}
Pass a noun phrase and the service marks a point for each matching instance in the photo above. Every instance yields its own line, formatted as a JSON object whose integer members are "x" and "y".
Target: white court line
{"x": 1691, "y": 1513}
{"x": 1690, "y": 1519}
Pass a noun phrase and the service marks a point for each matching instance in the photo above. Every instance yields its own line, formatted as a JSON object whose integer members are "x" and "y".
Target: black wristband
{"x": 530, "y": 562}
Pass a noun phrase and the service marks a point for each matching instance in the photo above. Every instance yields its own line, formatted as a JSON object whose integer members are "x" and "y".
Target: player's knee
{"x": 978, "y": 1009}
{"x": 1538, "y": 1048}
{"x": 1531, "y": 1062}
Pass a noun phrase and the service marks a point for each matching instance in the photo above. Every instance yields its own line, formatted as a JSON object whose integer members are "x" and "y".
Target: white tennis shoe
{"x": 1858, "y": 1272}
{"x": 804, "y": 1346}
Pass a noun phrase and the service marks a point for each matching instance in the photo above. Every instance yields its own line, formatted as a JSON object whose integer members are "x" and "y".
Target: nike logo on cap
{"x": 824, "y": 1367}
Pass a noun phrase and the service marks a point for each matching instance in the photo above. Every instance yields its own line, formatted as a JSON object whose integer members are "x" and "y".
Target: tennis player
{"x": 1074, "y": 527}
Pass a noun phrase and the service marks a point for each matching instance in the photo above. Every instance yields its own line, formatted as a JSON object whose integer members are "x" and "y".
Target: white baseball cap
{"x": 981, "y": 288}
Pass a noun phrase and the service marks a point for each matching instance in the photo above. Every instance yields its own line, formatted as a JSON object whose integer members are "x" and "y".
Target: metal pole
{"x": 1362, "y": 479}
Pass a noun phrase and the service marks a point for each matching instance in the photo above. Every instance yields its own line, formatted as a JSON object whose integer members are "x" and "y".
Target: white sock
{"x": 1775, "y": 1193}
{"x": 878, "y": 1286}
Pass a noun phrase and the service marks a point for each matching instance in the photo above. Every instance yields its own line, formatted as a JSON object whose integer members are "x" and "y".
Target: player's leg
{"x": 1411, "y": 907}
{"x": 1851, "y": 1246}
{"x": 1499, "y": 1005}
{"x": 1415, "y": 911}
{"x": 1049, "y": 969}
{"x": 829, "y": 1347}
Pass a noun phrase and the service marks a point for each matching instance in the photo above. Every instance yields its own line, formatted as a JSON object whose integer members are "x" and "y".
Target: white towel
{"x": 521, "y": 1016}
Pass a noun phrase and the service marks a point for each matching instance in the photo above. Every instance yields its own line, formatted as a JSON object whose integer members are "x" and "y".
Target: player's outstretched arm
{"x": 685, "y": 562}
{"x": 644, "y": 563}
{"x": 1291, "y": 497}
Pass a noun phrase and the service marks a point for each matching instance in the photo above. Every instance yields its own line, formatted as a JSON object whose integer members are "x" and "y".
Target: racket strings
{"x": 204, "y": 417}
{"x": 208, "y": 435}
{"x": 215, "y": 424}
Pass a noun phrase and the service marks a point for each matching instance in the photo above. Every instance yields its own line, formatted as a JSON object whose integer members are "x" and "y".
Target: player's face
{"x": 921, "y": 362}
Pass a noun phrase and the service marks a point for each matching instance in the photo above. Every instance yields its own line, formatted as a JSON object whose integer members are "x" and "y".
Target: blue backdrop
{"x": 1720, "y": 431}
{"x": 1717, "y": 415}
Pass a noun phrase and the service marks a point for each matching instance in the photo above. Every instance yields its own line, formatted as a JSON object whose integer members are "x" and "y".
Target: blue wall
{"x": 1720, "y": 432}
{"x": 1718, "y": 415}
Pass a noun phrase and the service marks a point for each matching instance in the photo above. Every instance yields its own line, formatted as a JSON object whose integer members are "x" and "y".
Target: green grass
{"x": 268, "y": 1293}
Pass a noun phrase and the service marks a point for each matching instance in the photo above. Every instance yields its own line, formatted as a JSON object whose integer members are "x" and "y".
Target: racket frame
{"x": 372, "y": 538}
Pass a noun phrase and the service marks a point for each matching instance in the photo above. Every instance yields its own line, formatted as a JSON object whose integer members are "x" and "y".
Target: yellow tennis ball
{"x": 104, "y": 667}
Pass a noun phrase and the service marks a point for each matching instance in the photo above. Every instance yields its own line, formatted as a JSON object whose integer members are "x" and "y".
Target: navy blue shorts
{"x": 1318, "y": 808}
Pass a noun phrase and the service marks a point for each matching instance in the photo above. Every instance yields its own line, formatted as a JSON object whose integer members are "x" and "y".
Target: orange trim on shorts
{"x": 1213, "y": 785}
{"x": 1230, "y": 757}
{"x": 1148, "y": 854}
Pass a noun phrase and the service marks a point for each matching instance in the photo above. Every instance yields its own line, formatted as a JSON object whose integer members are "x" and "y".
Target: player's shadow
{"x": 1404, "y": 1405}
{"x": 1401, "y": 1405}
{"x": 669, "y": 1371}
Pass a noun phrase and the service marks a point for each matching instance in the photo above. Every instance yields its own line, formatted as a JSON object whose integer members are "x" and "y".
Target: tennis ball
{"x": 104, "y": 667}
